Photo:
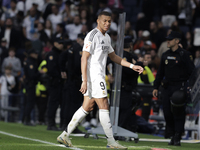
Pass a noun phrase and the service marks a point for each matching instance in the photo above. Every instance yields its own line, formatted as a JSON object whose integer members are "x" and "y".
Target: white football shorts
{"x": 96, "y": 88}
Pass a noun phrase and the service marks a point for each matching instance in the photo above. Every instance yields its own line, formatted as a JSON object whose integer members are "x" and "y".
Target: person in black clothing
{"x": 3, "y": 51}
{"x": 55, "y": 84}
{"x": 70, "y": 63}
{"x": 31, "y": 77}
{"x": 175, "y": 69}
{"x": 128, "y": 83}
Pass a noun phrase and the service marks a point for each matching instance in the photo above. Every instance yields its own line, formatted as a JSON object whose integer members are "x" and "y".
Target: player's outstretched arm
{"x": 115, "y": 58}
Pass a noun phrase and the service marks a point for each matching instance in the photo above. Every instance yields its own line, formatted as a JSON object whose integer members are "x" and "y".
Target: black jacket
{"x": 174, "y": 67}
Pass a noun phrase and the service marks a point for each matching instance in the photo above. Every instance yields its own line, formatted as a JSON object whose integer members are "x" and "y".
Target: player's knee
{"x": 88, "y": 108}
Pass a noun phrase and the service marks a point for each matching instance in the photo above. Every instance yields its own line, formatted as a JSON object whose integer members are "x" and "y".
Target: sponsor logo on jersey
{"x": 105, "y": 49}
{"x": 104, "y": 92}
{"x": 87, "y": 45}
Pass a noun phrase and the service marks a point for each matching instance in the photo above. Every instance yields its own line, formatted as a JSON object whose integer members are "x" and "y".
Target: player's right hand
{"x": 137, "y": 68}
{"x": 83, "y": 89}
{"x": 155, "y": 92}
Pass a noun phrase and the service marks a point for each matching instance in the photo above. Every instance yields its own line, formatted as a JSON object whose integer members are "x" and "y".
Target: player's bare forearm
{"x": 84, "y": 59}
{"x": 115, "y": 58}
{"x": 84, "y": 68}
{"x": 124, "y": 63}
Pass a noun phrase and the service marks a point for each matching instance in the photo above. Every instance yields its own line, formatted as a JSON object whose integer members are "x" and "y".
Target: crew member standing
{"x": 175, "y": 69}
{"x": 128, "y": 84}
{"x": 72, "y": 72}
{"x": 31, "y": 77}
{"x": 55, "y": 83}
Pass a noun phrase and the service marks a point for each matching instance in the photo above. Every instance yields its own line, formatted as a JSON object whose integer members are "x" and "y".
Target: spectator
{"x": 18, "y": 21}
{"x": 74, "y": 29}
{"x": 141, "y": 23}
{"x": 86, "y": 4}
{"x": 163, "y": 47}
{"x": 169, "y": 11}
{"x": 59, "y": 31}
{"x": 189, "y": 41}
{"x": 6, "y": 3}
{"x": 146, "y": 77}
{"x": 145, "y": 37}
{"x": 30, "y": 24}
{"x": 48, "y": 28}
{"x": 157, "y": 35}
{"x": 61, "y": 5}
{"x": 46, "y": 10}
{"x": 13, "y": 62}
{"x": 85, "y": 18}
{"x": 10, "y": 34}
{"x": 175, "y": 27}
{"x": 42, "y": 34}
{"x": 186, "y": 11}
{"x": 84, "y": 29}
{"x": 55, "y": 17}
{"x": 34, "y": 3}
{"x": 10, "y": 13}
{"x": 67, "y": 14}
{"x": 155, "y": 60}
{"x": 148, "y": 7}
{"x": 7, "y": 83}
{"x": 3, "y": 51}
{"x": 21, "y": 6}
{"x": 113, "y": 36}
{"x": 197, "y": 58}
{"x": 103, "y": 6}
{"x": 2, "y": 10}
{"x": 130, "y": 32}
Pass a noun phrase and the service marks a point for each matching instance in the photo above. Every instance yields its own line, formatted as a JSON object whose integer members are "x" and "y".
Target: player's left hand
{"x": 83, "y": 87}
{"x": 138, "y": 69}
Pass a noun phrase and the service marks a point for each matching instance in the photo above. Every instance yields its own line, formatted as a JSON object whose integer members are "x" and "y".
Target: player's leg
{"x": 78, "y": 116}
{"x": 106, "y": 123}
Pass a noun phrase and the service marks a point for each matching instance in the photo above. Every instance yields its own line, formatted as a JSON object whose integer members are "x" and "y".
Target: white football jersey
{"x": 99, "y": 46}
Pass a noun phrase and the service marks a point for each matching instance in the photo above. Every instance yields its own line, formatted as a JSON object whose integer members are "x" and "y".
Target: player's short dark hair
{"x": 105, "y": 13}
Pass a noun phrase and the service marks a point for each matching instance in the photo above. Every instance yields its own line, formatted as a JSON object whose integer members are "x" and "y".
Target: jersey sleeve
{"x": 88, "y": 44}
{"x": 110, "y": 50}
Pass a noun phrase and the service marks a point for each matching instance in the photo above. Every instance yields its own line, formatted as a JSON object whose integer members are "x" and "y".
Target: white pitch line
{"x": 36, "y": 140}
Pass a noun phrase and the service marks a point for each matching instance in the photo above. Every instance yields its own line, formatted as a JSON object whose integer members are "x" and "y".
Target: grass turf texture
{"x": 40, "y": 133}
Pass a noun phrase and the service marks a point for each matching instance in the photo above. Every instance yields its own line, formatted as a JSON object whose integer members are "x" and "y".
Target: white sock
{"x": 78, "y": 116}
{"x": 63, "y": 134}
{"x": 106, "y": 124}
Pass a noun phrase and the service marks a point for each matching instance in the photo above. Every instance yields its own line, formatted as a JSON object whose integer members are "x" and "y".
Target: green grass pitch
{"x": 15, "y": 136}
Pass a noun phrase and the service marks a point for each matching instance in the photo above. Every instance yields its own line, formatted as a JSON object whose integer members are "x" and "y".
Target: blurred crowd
{"x": 29, "y": 27}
